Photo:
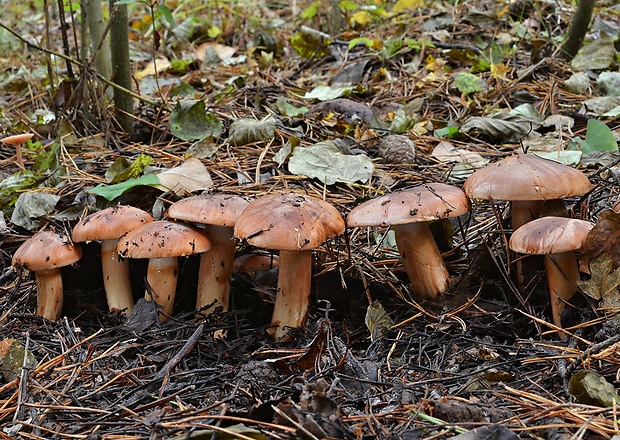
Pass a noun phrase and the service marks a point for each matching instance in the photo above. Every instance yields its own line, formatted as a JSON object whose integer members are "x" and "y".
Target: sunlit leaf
{"x": 310, "y": 43}
{"x": 468, "y": 83}
{"x": 123, "y": 169}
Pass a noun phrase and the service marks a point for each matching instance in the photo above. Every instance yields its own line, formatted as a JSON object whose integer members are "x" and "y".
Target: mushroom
{"x": 18, "y": 140}
{"x": 294, "y": 224}
{"x": 556, "y": 238}
{"x": 409, "y": 213}
{"x": 44, "y": 254}
{"x": 218, "y": 213}
{"x": 108, "y": 225}
{"x": 162, "y": 242}
{"x": 526, "y": 181}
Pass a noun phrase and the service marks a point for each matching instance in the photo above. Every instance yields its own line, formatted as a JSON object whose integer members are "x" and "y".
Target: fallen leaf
{"x": 31, "y": 207}
{"x": 325, "y": 161}
{"x": 604, "y": 282}
{"x": 591, "y": 388}
{"x": 377, "y": 321}
{"x": 190, "y": 176}
{"x": 246, "y": 131}
{"x": 604, "y": 238}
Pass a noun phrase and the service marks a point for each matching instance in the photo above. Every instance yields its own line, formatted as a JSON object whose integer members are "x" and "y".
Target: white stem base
{"x": 422, "y": 260}
{"x": 293, "y": 295}
{"x": 116, "y": 278}
{"x": 162, "y": 276}
{"x": 49, "y": 293}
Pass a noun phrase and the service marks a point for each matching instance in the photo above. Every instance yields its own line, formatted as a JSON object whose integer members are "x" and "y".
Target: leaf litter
{"x": 371, "y": 361}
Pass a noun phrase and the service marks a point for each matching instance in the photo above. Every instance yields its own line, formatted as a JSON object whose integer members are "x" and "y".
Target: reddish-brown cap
{"x": 209, "y": 209}
{"x": 550, "y": 235}
{"x": 290, "y": 222}
{"x": 46, "y": 250}
{"x": 525, "y": 177}
{"x": 254, "y": 262}
{"x": 162, "y": 239}
{"x": 17, "y": 139}
{"x": 424, "y": 203}
{"x": 110, "y": 223}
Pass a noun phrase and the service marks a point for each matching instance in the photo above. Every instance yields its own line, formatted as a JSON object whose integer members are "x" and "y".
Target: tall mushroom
{"x": 556, "y": 238}
{"x": 409, "y": 212}
{"x": 162, "y": 242}
{"x": 108, "y": 225}
{"x": 45, "y": 253}
{"x": 18, "y": 140}
{"x": 526, "y": 181}
{"x": 218, "y": 213}
{"x": 294, "y": 224}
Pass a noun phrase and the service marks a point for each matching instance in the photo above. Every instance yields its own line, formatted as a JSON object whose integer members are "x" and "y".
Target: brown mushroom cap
{"x": 110, "y": 223}
{"x": 17, "y": 139}
{"x": 46, "y": 250}
{"x": 211, "y": 209}
{"x": 526, "y": 177}
{"x": 290, "y": 222}
{"x": 162, "y": 239}
{"x": 424, "y": 203}
{"x": 550, "y": 235}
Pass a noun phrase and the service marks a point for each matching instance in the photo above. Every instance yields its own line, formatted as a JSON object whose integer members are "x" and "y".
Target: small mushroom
{"x": 162, "y": 242}
{"x": 556, "y": 238}
{"x": 107, "y": 226}
{"x": 526, "y": 181}
{"x": 45, "y": 253}
{"x": 18, "y": 140}
{"x": 218, "y": 213}
{"x": 409, "y": 212}
{"x": 294, "y": 224}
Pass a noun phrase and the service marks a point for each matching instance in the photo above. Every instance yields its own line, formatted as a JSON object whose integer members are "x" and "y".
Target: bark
{"x": 121, "y": 68}
{"x": 578, "y": 29}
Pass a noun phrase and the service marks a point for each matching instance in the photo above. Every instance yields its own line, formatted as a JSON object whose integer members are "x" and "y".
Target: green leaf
{"x": 447, "y": 132}
{"x": 310, "y": 43}
{"x": 326, "y": 93}
{"x": 599, "y": 137}
{"x": 368, "y": 42}
{"x": 167, "y": 14}
{"x": 285, "y": 108}
{"x": 125, "y": 2}
{"x": 190, "y": 121}
{"x": 110, "y": 192}
{"x": 311, "y": 11}
{"x": 468, "y": 83}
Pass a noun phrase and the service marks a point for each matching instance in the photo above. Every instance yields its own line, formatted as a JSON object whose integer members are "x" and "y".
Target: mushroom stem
{"x": 562, "y": 277}
{"x": 49, "y": 293}
{"x": 524, "y": 211}
{"x": 18, "y": 156}
{"x": 162, "y": 278}
{"x": 215, "y": 267}
{"x": 116, "y": 278}
{"x": 421, "y": 259}
{"x": 293, "y": 294}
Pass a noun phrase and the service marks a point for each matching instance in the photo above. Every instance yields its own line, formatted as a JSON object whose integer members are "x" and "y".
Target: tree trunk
{"x": 578, "y": 29}
{"x": 121, "y": 69}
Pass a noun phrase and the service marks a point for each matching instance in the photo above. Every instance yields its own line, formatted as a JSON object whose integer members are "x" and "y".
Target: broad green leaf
{"x": 190, "y": 121}
{"x": 591, "y": 388}
{"x": 311, "y": 11}
{"x": 468, "y": 83}
{"x": 599, "y": 137}
{"x": 285, "y": 108}
{"x": 368, "y": 42}
{"x": 447, "y": 132}
{"x": 110, "y": 192}
{"x": 324, "y": 161}
{"x": 122, "y": 169}
{"x": 166, "y": 13}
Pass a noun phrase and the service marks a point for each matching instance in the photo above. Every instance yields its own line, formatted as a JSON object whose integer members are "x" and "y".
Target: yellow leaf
{"x": 361, "y": 18}
{"x": 152, "y": 68}
{"x": 407, "y": 5}
{"x": 499, "y": 71}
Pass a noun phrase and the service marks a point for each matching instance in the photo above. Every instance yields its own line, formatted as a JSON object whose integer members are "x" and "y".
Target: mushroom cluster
{"x": 294, "y": 224}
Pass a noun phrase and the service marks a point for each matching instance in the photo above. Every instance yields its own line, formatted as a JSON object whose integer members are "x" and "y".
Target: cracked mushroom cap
{"x": 110, "y": 223}
{"x": 550, "y": 235}
{"x": 289, "y": 222}
{"x": 162, "y": 239}
{"x": 526, "y": 177}
{"x": 209, "y": 209}
{"x": 424, "y": 203}
{"x": 46, "y": 250}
